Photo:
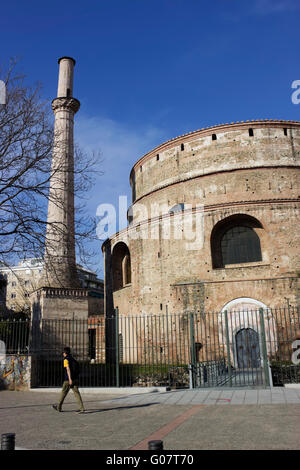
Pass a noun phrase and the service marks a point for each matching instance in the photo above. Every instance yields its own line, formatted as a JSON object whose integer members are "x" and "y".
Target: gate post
{"x": 117, "y": 346}
{"x": 192, "y": 349}
{"x": 264, "y": 347}
{"x": 73, "y": 330}
{"x": 228, "y": 348}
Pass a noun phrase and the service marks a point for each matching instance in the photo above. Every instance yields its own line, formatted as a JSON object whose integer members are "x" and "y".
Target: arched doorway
{"x": 243, "y": 314}
{"x": 248, "y": 334}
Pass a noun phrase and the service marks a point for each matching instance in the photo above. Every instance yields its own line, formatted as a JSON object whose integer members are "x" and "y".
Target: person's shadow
{"x": 100, "y": 410}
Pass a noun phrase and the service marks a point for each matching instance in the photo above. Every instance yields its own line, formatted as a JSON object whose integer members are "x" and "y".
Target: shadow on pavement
{"x": 119, "y": 408}
{"x": 98, "y": 410}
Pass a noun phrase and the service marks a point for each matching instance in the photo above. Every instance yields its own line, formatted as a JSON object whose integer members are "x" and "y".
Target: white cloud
{"x": 265, "y": 7}
{"x": 120, "y": 146}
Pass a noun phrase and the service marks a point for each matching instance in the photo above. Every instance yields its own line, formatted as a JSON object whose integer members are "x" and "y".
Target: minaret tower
{"x": 60, "y": 263}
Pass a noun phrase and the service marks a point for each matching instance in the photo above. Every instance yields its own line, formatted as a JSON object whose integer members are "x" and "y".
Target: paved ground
{"x": 183, "y": 419}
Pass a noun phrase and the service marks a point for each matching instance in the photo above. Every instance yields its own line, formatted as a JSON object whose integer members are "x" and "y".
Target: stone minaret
{"x": 60, "y": 263}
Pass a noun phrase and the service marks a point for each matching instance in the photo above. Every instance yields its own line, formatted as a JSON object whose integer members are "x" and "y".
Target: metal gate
{"x": 234, "y": 350}
{"x": 248, "y": 352}
{"x": 246, "y": 348}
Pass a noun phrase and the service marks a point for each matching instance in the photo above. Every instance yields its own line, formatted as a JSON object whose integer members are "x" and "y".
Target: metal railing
{"x": 194, "y": 349}
{"x": 15, "y": 335}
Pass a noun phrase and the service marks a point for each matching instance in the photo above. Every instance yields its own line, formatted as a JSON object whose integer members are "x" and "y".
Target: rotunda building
{"x": 214, "y": 223}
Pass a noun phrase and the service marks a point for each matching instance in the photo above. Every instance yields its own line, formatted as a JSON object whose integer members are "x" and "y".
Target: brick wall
{"x": 235, "y": 174}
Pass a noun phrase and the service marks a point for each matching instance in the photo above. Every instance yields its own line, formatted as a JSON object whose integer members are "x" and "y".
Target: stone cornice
{"x": 64, "y": 291}
{"x": 222, "y": 281}
{"x": 71, "y": 104}
{"x": 68, "y": 58}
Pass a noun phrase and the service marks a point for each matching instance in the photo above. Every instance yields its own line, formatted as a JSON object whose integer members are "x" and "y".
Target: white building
{"x": 18, "y": 282}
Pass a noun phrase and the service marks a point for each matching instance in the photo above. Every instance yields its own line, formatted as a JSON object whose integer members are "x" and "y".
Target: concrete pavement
{"x": 183, "y": 419}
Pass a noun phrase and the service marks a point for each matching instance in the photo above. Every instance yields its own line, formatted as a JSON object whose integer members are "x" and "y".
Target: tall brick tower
{"x": 60, "y": 263}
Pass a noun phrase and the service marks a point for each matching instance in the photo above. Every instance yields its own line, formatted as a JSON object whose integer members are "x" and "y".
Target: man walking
{"x": 70, "y": 381}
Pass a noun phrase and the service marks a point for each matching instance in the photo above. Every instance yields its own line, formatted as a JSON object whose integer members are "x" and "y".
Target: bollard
{"x": 8, "y": 441}
{"x": 155, "y": 445}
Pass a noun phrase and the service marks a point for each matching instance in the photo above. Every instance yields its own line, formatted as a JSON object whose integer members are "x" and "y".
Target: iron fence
{"x": 196, "y": 349}
{"x": 15, "y": 336}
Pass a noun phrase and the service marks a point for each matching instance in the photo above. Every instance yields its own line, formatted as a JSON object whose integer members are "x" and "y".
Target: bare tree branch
{"x": 26, "y": 146}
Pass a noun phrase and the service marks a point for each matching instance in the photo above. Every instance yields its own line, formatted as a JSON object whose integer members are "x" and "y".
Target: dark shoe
{"x": 55, "y": 407}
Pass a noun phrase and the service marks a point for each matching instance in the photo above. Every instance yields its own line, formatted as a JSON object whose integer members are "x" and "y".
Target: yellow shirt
{"x": 66, "y": 364}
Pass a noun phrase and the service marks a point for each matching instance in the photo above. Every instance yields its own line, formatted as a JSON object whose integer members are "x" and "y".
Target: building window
{"x": 251, "y": 133}
{"x": 177, "y": 208}
{"x": 13, "y": 283}
{"x": 240, "y": 245}
{"x": 285, "y": 131}
{"x": 126, "y": 270}
{"x": 130, "y": 215}
{"x": 157, "y": 157}
{"x": 182, "y": 147}
{"x": 13, "y": 295}
{"x": 121, "y": 266}
{"x": 235, "y": 240}
{"x": 214, "y": 137}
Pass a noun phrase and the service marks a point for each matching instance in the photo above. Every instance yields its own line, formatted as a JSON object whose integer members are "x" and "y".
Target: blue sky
{"x": 150, "y": 70}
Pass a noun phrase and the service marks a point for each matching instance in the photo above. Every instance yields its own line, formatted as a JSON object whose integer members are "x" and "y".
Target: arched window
{"x": 234, "y": 241}
{"x": 177, "y": 208}
{"x": 121, "y": 266}
{"x": 240, "y": 245}
{"x": 126, "y": 270}
{"x": 130, "y": 215}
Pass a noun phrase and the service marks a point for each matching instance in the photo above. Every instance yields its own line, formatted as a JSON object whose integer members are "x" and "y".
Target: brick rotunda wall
{"x": 233, "y": 172}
